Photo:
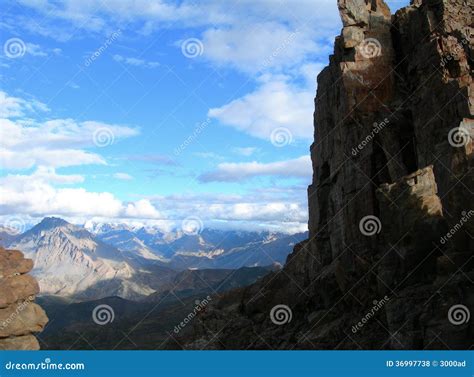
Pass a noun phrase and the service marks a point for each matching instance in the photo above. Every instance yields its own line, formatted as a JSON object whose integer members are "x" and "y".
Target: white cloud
{"x": 275, "y": 103}
{"x": 255, "y": 47}
{"x": 123, "y": 176}
{"x": 278, "y": 101}
{"x": 262, "y": 39}
{"x": 234, "y": 172}
{"x": 141, "y": 209}
{"x": 250, "y": 36}
{"x": 28, "y": 158}
{"x": 15, "y": 107}
{"x": 136, "y": 61}
{"x": 245, "y": 151}
{"x": 35, "y": 50}
{"x": 25, "y": 143}
{"x": 42, "y": 174}
{"x": 278, "y": 208}
{"x": 34, "y": 195}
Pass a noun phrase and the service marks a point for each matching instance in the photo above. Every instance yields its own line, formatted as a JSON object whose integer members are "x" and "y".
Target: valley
{"x": 140, "y": 275}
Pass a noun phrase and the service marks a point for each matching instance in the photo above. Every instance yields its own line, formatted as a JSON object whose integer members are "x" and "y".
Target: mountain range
{"x": 99, "y": 260}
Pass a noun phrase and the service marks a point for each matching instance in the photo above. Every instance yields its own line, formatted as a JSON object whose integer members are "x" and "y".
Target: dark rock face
{"x": 19, "y": 315}
{"x": 389, "y": 262}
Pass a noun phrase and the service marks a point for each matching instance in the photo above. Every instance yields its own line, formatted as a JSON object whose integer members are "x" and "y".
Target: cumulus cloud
{"x": 47, "y": 145}
{"x": 235, "y": 172}
{"x": 262, "y": 39}
{"x": 142, "y": 208}
{"x": 35, "y": 195}
{"x": 281, "y": 208}
{"x": 16, "y": 107}
{"x": 258, "y": 46}
{"x": 26, "y": 143}
{"x": 275, "y": 103}
{"x": 253, "y": 35}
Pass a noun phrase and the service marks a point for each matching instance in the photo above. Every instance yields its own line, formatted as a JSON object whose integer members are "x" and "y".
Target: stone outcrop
{"x": 389, "y": 263}
{"x": 20, "y": 317}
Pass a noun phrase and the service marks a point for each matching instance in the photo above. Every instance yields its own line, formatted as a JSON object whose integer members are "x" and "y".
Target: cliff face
{"x": 389, "y": 262}
{"x": 20, "y": 317}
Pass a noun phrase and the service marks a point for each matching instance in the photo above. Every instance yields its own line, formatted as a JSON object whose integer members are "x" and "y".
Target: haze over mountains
{"x": 101, "y": 260}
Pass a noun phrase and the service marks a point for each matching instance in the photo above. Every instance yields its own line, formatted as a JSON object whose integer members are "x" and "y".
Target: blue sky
{"x": 153, "y": 111}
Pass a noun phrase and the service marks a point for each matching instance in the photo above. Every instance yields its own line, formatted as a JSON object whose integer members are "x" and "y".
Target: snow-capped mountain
{"x": 133, "y": 262}
{"x": 127, "y": 241}
{"x": 210, "y": 248}
{"x": 69, "y": 260}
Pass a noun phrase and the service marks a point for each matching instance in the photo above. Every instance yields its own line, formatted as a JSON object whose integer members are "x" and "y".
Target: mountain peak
{"x": 52, "y": 222}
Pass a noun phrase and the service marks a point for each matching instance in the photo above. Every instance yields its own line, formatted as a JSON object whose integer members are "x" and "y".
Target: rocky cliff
{"x": 389, "y": 260}
{"x": 20, "y": 317}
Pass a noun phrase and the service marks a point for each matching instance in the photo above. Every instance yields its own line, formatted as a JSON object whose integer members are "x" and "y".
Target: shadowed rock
{"x": 388, "y": 153}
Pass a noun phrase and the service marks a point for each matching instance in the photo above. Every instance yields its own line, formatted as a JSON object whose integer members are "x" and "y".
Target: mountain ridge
{"x": 70, "y": 261}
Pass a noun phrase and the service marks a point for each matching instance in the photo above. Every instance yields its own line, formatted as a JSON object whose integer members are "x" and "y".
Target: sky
{"x": 156, "y": 112}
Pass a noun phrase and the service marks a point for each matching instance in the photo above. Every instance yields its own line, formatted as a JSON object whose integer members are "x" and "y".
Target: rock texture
{"x": 389, "y": 257}
{"x": 19, "y": 315}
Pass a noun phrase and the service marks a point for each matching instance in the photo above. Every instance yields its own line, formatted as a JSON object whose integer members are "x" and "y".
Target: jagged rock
{"x": 388, "y": 149}
{"x": 362, "y": 12}
{"x": 19, "y": 315}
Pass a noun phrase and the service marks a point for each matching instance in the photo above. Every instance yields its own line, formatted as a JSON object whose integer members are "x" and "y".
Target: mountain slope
{"x": 207, "y": 282}
{"x": 69, "y": 260}
{"x": 157, "y": 316}
{"x": 209, "y": 249}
